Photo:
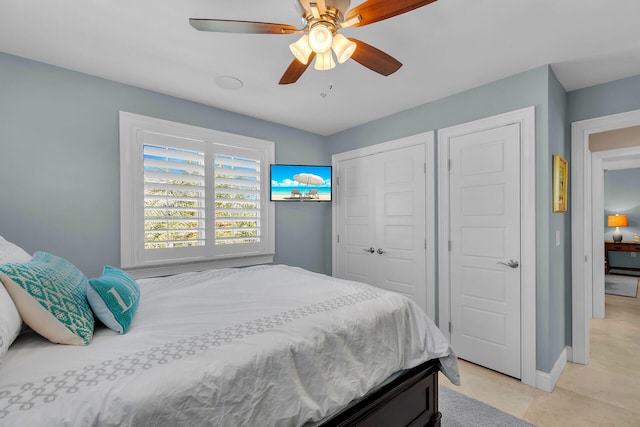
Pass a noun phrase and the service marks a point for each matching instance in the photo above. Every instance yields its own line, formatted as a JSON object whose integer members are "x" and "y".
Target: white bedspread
{"x": 259, "y": 346}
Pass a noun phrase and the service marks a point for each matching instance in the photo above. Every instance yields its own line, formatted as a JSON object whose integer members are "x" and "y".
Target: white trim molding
{"x": 526, "y": 119}
{"x": 186, "y": 267}
{"x": 547, "y": 380}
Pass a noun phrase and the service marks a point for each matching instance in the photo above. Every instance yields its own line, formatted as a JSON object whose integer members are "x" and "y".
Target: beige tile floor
{"x": 604, "y": 393}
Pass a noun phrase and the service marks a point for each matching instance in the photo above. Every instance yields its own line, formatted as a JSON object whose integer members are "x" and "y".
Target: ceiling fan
{"x": 322, "y": 19}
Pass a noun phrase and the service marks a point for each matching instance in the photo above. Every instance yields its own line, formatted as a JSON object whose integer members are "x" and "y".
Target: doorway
{"x": 587, "y": 234}
{"x": 614, "y": 159}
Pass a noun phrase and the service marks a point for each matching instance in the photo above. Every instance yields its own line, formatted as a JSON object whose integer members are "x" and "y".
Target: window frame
{"x": 133, "y": 256}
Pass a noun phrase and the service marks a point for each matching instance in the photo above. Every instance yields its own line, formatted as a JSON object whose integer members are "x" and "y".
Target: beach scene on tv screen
{"x": 308, "y": 183}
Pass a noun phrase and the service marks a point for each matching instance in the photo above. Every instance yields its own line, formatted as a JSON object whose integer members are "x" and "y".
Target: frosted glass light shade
{"x": 324, "y": 61}
{"x": 343, "y": 47}
{"x": 301, "y": 49}
{"x": 320, "y": 38}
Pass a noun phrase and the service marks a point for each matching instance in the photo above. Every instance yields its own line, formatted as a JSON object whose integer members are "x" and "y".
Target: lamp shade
{"x": 617, "y": 221}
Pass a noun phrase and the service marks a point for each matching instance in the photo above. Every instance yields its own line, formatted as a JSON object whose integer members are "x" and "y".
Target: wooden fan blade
{"x": 377, "y": 10}
{"x": 374, "y": 59}
{"x": 229, "y": 26}
{"x": 295, "y": 70}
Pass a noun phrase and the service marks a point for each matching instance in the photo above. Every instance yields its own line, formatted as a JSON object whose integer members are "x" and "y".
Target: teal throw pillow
{"x": 114, "y": 298}
{"x": 50, "y": 294}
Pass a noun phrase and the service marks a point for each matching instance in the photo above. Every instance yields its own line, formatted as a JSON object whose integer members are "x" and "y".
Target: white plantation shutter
{"x": 174, "y": 197}
{"x": 237, "y": 200}
{"x": 191, "y": 195}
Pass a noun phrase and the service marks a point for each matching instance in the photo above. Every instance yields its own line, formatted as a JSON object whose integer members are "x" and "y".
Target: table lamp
{"x": 617, "y": 221}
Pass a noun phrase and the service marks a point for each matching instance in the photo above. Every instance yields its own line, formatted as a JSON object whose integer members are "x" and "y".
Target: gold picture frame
{"x": 560, "y": 183}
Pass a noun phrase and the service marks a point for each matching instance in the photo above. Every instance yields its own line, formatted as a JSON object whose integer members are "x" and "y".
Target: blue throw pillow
{"x": 50, "y": 294}
{"x": 114, "y": 298}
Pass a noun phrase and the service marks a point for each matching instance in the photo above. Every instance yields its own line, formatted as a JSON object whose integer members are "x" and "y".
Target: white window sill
{"x": 167, "y": 269}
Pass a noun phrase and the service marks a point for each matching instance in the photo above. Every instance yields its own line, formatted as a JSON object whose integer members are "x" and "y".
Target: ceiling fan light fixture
{"x": 320, "y": 38}
{"x": 324, "y": 61}
{"x": 301, "y": 49}
{"x": 321, "y": 22}
{"x": 343, "y": 47}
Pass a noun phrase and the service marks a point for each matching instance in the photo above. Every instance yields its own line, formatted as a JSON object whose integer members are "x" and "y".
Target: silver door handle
{"x": 512, "y": 263}
{"x": 380, "y": 251}
{"x": 370, "y": 250}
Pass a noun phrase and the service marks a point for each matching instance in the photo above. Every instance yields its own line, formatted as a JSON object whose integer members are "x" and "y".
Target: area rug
{"x": 614, "y": 270}
{"x": 459, "y": 410}
{"x": 624, "y": 286}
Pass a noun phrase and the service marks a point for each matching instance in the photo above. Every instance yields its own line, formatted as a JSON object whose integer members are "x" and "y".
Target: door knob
{"x": 512, "y": 263}
{"x": 380, "y": 251}
{"x": 370, "y": 250}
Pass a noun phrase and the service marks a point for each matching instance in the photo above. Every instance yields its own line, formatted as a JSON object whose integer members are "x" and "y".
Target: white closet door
{"x": 356, "y": 225}
{"x": 381, "y": 221}
{"x": 400, "y": 222}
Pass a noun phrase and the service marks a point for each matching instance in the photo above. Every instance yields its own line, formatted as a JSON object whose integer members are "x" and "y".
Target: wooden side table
{"x": 620, "y": 247}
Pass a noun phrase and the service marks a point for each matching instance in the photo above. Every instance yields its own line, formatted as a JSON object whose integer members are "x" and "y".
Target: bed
{"x": 262, "y": 345}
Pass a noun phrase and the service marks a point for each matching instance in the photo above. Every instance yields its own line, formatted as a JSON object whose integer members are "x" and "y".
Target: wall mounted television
{"x": 300, "y": 183}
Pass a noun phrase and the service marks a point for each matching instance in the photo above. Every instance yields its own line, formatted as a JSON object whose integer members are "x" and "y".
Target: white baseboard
{"x": 547, "y": 381}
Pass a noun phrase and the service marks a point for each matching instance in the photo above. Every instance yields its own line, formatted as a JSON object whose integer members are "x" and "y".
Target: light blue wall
{"x": 557, "y": 296}
{"x": 59, "y": 164}
{"x": 519, "y": 91}
{"x": 605, "y": 99}
{"x": 622, "y": 196}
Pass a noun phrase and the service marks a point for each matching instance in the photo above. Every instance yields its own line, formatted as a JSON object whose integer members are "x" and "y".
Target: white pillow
{"x": 10, "y": 322}
{"x": 12, "y": 253}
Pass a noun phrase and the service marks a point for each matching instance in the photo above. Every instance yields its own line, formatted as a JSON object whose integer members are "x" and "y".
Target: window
{"x": 192, "y": 198}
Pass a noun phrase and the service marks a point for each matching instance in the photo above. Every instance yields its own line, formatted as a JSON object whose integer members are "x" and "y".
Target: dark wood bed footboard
{"x": 411, "y": 399}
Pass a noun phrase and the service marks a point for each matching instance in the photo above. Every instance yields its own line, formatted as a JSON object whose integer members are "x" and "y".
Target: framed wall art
{"x": 560, "y": 183}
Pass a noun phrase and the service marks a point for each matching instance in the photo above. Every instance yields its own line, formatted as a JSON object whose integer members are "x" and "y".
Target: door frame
{"x": 428, "y": 140}
{"x": 526, "y": 118}
{"x": 583, "y": 229}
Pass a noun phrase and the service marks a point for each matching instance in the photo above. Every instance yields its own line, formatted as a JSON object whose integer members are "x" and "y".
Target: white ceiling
{"x": 446, "y": 47}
